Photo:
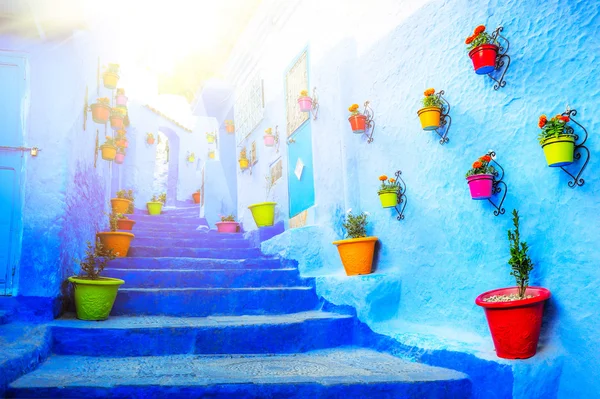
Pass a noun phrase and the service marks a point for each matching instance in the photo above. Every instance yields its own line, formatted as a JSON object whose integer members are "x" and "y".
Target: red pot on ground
{"x": 196, "y": 197}
{"x": 515, "y": 325}
{"x": 227, "y": 227}
{"x": 358, "y": 123}
{"x": 484, "y": 58}
{"x": 125, "y": 224}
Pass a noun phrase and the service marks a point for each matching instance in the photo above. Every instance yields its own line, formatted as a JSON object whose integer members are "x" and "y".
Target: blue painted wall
{"x": 431, "y": 266}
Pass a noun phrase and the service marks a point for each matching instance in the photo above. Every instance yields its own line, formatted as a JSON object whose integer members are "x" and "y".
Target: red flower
{"x": 542, "y": 122}
{"x": 565, "y": 118}
{"x": 486, "y": 158}
{"x": 477, "y": 165}
{"x": 479, "y": 29}
{"x": 469, "y": 40}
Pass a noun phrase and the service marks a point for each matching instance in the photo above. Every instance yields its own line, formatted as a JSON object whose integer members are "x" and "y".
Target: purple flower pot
{"x": 119, "y": 158}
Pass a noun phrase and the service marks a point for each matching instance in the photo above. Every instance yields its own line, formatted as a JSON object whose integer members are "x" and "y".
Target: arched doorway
{"x": 166, "y": 167}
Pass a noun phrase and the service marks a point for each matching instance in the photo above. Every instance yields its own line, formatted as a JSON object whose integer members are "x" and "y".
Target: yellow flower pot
{"x": 244, "y": 163}
{"x": 263, "y": 213}
{"x": 110, "y": 80}
{"x": 210, "y": 139}
{"x": 559, "y": 150}
{"x": 430, "y": 117}
{"x": 109, "y": 152}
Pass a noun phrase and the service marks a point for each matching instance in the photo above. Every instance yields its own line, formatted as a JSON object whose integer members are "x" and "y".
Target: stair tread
{"x": 283, "y": 269}
{"x": 297, "y": 288}
{"x": 340, "y": 366}
{"x": 135, "y": 322}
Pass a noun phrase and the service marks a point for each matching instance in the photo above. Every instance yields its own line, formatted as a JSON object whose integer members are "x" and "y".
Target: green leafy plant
{"x": 117, "y": 112}
{"x": 160, "y": 198}
{"x": 109, "y": 141}
{"x": 431, "y": 100}
{"x": 554, "y": 127}
{"x": 96, "y": 259}
{"x": 390, "y": 185}
{"x": 229, "y": 218}
{"x": 482, "y": 167}
{"x": 355, "y": 225}
{"x": 519, "y": 261}
{"x": 479, "y": 38}
{"x": 113, "y": 218}
{"x": 128, "y": 195}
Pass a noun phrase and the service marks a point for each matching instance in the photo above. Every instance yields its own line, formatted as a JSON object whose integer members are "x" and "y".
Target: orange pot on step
{"x": 117, "y": 241}
{"x": 125, "y": 224}
{"x": 196, "y": 197}
{"x": 120, "y": 205}
{"x": 357, "y": 254}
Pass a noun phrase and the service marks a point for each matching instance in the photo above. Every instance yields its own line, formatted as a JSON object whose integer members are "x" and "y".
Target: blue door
{"x": 301, "y": 184}
{"x": 12, "y": 82}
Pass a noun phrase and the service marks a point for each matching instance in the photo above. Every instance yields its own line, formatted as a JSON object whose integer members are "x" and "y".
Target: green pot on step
{"x": 94, "y": 299}
{"x": 263, "y": 213}
{"x": 154, "y": 208}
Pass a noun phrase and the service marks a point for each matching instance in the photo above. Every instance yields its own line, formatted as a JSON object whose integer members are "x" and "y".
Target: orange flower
{"x": 486, "y": 158}
{"x": 564, "y": 118}
{"x": 477, "y": 165}
{"x": 469, "y": 40}
{"x": 429, "y": 92}
{"x": 542, "y": 123}
{"x": 353, "y": 108}
{"x": 392, "y": 180}
{"x": 383, "y": 177}
{"x": 479, "y": 29}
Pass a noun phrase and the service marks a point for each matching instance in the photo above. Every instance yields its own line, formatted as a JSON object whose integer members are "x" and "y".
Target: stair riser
{"x": 212, "y": 235}
{"x": 207, "y": 279}
{"x": 190, "y": 242}
{"x": 214, "y": 302}
{"x": 162, "y": 219}
{"x": 454, "y": 389}
{"x": 194, "y": 263}
{"x": 251, "y": 339}
{"x": 236, "y": 253}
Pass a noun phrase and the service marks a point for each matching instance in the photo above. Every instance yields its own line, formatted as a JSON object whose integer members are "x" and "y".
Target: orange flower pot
{"x": 196, "y": 198}
{"x": 230, "y": 128}
{"x": 100, "y": 113}
{"x": 150, "y": 141}
{"x": 125, "y": 224}
{"x": 119, "y": 205}
{"x": 110, "y": 80}
{"x": 357, "y": 254}
{"x": 358, "y": 123}
{"x": 117, "y": 241}
{"x": 116, "y": 122}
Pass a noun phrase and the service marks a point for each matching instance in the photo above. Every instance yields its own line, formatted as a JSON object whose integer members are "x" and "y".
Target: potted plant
{"x": 357, "y": 119}
{"x": 127, "y": 196}
{"x": 356, "y": 251}
{"x": 210, "y": 138}
{"x": 120, "y": 157}
{"x": 388, "y": 192}
{"x": 557, "y": 140}
{"x": 264, "y": 212}
{"x": 101, "y": 110}
{"x": 114, "y": 240}
{"x": 122, "y": 142}
{"x": 121, "y": 97}
{"x": 94, "y": 295}
{"x": 243, "y": 159}
{"x": 156, "y": 203}
{"x": 514, "y": 314}
{"x": 481, "y": 178}
{"x": 150, "y": 138}
{"x": 269, "y": 138}
{"x": 431, "y": 111}
{"x": 111, "y": 76}
{"x": 121, "y": 221}
{"x": 116, "y": 118}
{"x": 190, "y": 157}
{"x": 483, "y": 50}
{"x": 211, "y": 154}
{"x": 229, "y": 126}
{"x": 109, "y": 150}
{"x": 196, "y": 196}
{"x": 228, "y": 225}
{"x": 305, "y": 102}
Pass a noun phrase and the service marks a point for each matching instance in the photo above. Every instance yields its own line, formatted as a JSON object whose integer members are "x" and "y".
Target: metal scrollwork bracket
{"x": 401, "y": 196}
{"x": 97, "y": 148}
{"x": 445, "y": 120}
{"x": 315, "y": 104}
{"x": 497, "y": 186}
{"x": 369, "y": 123}
{"x": 579, "y": 147}
{"x": 277, "y": 139}
{"x": 502, "y": 59}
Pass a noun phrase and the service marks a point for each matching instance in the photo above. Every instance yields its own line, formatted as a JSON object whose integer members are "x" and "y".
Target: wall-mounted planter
{"x": 100, "y": 112}
{"x": 481, "y": 186}
{"x": 119, "y": 157}
{"x": 309, "y": 104}
{"x": 357, "y": 254}
{"x": 269, "y": 140}
{"x": 305, "y": 103}
{"x": 389, "y": 199}
{"x": 116, "y": 121}
{"x": 125, "y": 224}
{"x": 358, "y": 123}
{"x": 484, "y": 58}
{"x": 154, "y": 208}
{"x": 485, "y": 181}
{"x": 263, "y": 213}
{"x": 434, "y": 116}
{"x": 393, "y": 193}
{"x": 227, "y": 227}
{"x": 362, "y": 122}
{"x": 94, "y": 299}
{"x": 122, "y": 100}
{"x": 488, "y": 53}
{"x": 210, "y": 138}
{"x": 110, "y": 80}
{"x": 430, "y": 117}
{"x": 229, "y": 126}
{"x": 109, "y": 152}
{"x": 559, "y": 150}
{"x": 117, "y": 241}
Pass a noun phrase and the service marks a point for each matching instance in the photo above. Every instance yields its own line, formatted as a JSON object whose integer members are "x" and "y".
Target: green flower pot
{"x": 263, "y": 213}
{"x": 154, "y": 208}
{"x": 94, "y": 299}
{"x": 559, "y": 150}
{"x": 389, "y": 199}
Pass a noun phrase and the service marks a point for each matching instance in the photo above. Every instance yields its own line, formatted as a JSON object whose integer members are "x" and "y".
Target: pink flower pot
{"x": 121, "y": 99}
{"x": 227, "y": 227}
{"x": 269, "y": 140}
{"x": 305, "y": 104}
{"x": 119, "y": 158}
{"x": 481, "y": 186}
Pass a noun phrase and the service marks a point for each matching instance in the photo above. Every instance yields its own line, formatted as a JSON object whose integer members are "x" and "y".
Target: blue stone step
{"x": 159, "y": 234}
{"x": 163, "y": 335}
{"x": 162, "y": 219}
{"x": 219, "y": 278}
{"x": 195, "y": 263}
{"x": 334, "y": 373}
{"x": 214, "y": 301}
{"x": 191, "y": 242}
{"x": 236, "y": 253}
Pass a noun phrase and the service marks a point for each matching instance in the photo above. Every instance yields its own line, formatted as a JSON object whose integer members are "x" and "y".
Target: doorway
{"x": 166, "y": 167}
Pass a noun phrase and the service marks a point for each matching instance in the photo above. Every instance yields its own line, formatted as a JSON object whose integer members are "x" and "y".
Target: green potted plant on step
{"x": 264, "y": 212}
{"x": 514, "y": 314}
{"x": 356, "y": 251}
{"x": 156, "y": 204}
{"x": 95, "y": 295}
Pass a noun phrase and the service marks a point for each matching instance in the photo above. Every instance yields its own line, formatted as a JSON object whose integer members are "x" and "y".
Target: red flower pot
{"x": 484, "y": 58}
{"x": 125, "y": 224}
{"x": 358, "y": 123}
{"x": 227, "y": 227}
{"x": 481, "y": 186}
{"x": 515, "y": 325}
{"x": 116, "y": 122}
{"x": 196, "y": 198}
{"x": 100, "y": 112}
{"x": 150, "y": 141}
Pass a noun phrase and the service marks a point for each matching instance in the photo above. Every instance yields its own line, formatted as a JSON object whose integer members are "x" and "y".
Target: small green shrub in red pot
{"x": 483, "y": 50}
{"x": 228, "y": 225}
{"x": 515, "y": 314}
{"x": 481, "y": 178}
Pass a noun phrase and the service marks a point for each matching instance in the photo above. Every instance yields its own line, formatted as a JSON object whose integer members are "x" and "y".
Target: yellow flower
{"x": 268, "y": 131}
{"x": 353, "y": 108}
{"x": 304, "y": 93}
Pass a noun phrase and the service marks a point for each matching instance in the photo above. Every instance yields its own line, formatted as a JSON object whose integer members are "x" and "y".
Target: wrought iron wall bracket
{"x": 502, "y": 59}
{"x": 496, "y": 186}
{"x": 401, "y": 199}
{"x": 578, "y": 151}
{"x": 445, "y": 120}
{"x": 314, "y": 111}
{"x": 369, "y": 123}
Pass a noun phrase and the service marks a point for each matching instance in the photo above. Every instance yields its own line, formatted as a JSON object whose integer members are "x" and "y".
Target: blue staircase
{"x": 205, "y": 315}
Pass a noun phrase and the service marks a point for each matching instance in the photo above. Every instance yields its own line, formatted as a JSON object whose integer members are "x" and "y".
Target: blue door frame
{"x": 14, "y": 85}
